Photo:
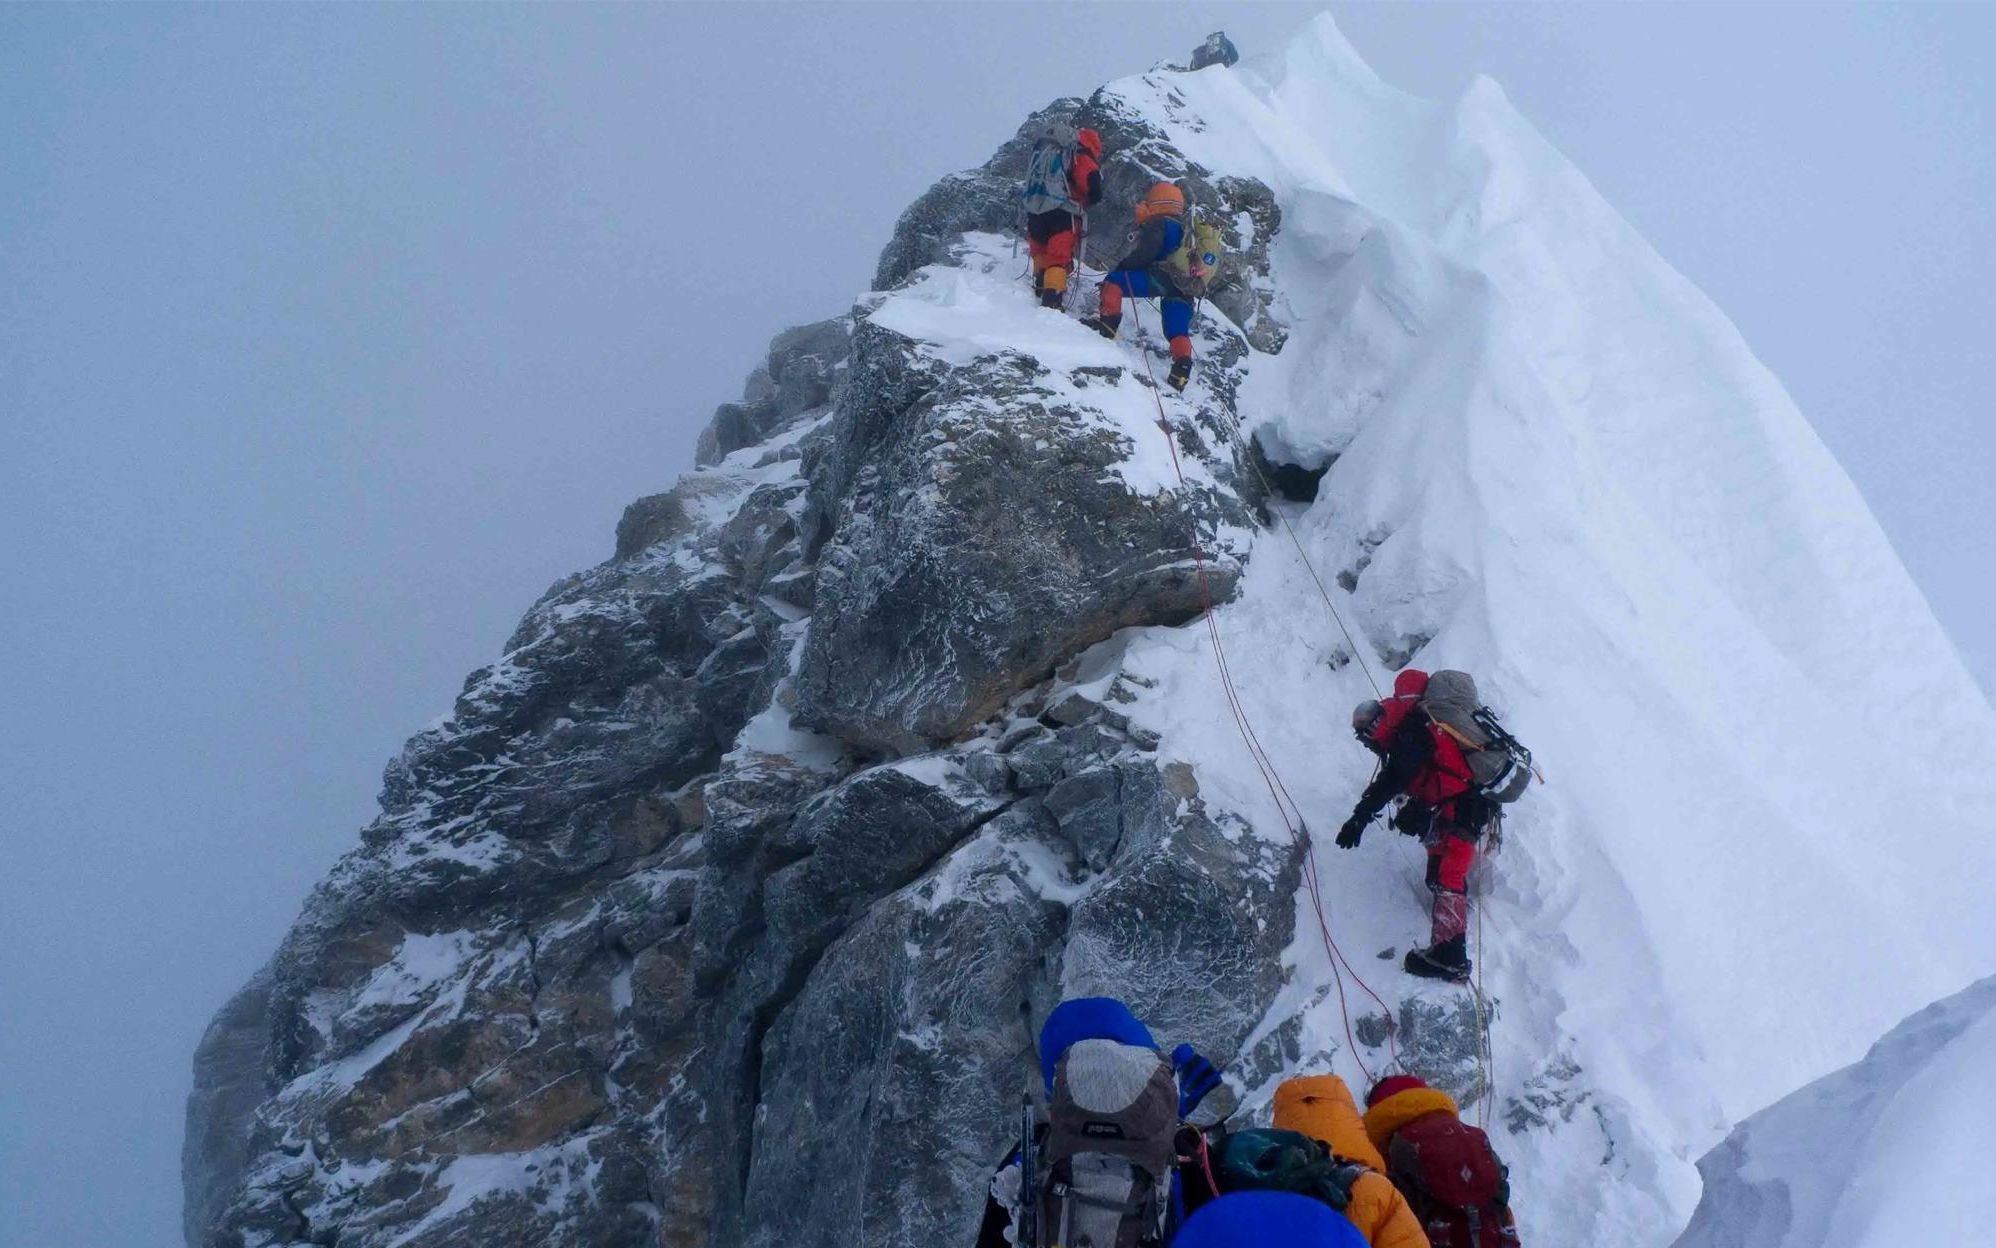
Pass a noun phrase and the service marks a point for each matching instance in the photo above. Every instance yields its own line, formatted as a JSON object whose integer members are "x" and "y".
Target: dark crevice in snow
{"x": 533, "y": 979}
{"x": 1295, "y": 483}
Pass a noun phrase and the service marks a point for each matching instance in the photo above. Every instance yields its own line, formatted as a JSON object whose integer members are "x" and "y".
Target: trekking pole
{"x": 1023, "y": 186}
{"x": 1074, "y": 267}
{"x": 1029, "y": 1196}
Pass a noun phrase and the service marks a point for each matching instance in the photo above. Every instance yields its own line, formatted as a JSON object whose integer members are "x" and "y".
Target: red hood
{"x": 1410, "y": 683}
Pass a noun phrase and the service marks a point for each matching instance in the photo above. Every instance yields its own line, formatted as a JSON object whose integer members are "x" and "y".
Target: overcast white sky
{"x": 330, "y": 336}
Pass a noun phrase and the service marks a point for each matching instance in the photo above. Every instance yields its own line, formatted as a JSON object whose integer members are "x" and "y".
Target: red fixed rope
{"x": 1278, "y": 792}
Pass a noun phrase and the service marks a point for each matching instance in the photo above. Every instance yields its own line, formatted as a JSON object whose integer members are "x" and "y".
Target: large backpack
{"x": 1197, "y": 261}
{"x": 1104, "y": 1172}
{"x": 1499, "y": 766}
{"x": 1453, "y": 1182}
{"x": 1049, "y": 172}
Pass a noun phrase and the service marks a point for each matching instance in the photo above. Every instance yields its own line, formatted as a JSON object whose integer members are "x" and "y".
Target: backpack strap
{"x": 1467, "y": 774}
{"x": 1461, "y": 737}
{"x": 1121, "y": 1207}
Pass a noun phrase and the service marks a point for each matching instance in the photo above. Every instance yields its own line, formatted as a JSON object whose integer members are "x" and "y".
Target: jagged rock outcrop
{"x": 967, "y": 557}
{"x": 216, "y": 1150}
{"x": 796, "y": 378}
{"x": 765, "y": 844}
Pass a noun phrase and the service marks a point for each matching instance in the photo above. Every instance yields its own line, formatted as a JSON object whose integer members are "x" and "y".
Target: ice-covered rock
{"x": 968, "y": 556}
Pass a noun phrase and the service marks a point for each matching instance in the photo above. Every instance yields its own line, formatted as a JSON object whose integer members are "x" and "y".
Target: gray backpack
{"x": 1104, "y": 1173}
{"x": 1500, "y": 766}
{"x": 1049, "y": 171}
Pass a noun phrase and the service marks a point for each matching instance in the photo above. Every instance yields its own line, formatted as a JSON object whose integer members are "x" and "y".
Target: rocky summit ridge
{"x": 722, "y": 908}
{"x": 757, "y": 854}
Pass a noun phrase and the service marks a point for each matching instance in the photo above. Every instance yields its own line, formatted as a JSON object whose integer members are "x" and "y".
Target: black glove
{"x": 1336, "y": 1188}
{"x": 1413, "y": 819}
{"x": 1353, "y": 828}
{"x": 1196, "y": 1077}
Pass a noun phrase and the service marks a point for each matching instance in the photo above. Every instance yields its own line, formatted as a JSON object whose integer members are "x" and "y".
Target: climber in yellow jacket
{"x": 1321, "y": 1107}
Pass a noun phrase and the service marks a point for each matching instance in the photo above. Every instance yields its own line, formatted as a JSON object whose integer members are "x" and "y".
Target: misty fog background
{"x": 329, "y": 337}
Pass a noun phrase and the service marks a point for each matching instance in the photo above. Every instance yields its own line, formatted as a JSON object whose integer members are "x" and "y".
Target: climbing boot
{"x": 1105, "y": 325}
{"x": 1051, "y": 298}
{"x": 1448, "y": 960}
{"x": 1181, "y": 372}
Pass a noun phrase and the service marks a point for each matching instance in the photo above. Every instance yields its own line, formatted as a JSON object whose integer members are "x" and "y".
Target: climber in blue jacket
{"x": 1157, "y": 264}
{"x": 1072, "y": 1021}
{"x": 1268, "y": 1220}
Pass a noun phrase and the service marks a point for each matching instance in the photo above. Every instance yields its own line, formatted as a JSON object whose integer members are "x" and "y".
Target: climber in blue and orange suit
{"x": 1051, "y": 235}
{"x": 1161, "y": 234}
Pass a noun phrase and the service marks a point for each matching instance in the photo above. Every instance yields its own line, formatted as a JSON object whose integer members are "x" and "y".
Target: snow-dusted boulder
{"x": 796, "y": 378}
{"x": 969, "y": 556}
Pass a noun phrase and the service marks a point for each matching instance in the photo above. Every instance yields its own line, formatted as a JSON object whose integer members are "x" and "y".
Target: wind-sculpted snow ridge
{"x": 1891, "y": 1150}
{"x": 1554, "y": 464}
{"x": 722, "y": 909}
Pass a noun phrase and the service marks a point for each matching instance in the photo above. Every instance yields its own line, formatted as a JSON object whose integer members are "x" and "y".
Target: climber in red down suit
{"x": 1425, "y": 765}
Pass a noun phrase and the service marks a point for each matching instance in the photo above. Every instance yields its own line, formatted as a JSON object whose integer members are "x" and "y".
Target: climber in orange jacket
{"x": 1321, "y": 1107}
{"x": 1164, "y": 239}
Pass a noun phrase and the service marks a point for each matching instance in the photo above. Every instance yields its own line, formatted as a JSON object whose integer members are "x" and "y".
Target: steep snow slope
{"x": 1767, "y": 831}
{"x": 1892, "y": 1150}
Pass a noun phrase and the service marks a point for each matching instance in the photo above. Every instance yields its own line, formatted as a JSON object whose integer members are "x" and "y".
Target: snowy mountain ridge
{"x": 1889, "y": 1150}
{"x": 769, "y": 839}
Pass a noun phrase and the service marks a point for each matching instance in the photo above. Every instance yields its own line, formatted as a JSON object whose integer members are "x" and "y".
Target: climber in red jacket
{"x": 1425, "y": 765}
{"x": 1051, "y": 235}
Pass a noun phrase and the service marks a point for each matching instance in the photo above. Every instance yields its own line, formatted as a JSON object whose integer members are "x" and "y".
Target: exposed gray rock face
{"x": 796, "y": 378}
{"x": 765, "y": 846}
{"x": 214, "y": 1153}
{"x": 969, "y": 556}
{"x": 1217, "y": 50}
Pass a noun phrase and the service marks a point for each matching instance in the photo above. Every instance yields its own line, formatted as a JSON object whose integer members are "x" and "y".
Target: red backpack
{"x": 1453, "y": 1181}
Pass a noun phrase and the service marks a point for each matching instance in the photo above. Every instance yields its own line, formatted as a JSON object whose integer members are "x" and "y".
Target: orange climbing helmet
{"x": 1162, "y": 200}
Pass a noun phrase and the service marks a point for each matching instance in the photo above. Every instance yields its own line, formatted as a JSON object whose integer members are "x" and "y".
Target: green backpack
{"x": 1197, "y": 261}
{"x": 1267, "y": 1159}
